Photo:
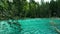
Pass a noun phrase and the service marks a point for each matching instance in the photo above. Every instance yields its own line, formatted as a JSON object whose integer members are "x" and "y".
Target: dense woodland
{"x": 17, "y": 9}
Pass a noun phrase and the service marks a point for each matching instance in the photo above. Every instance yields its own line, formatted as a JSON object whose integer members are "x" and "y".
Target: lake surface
{"x": 32, "y": 26}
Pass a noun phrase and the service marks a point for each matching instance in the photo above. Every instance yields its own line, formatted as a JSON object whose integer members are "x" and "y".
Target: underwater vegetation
{"x": 15, "y": 25}
{"x": 10, "y": 27}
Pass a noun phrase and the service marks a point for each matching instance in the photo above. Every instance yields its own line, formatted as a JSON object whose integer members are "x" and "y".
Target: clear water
{"x": 32, "y": 26}
{"x": 38, "y": 26}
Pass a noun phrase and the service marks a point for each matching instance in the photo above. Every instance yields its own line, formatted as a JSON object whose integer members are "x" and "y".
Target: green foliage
{"x": 23, "y": 9}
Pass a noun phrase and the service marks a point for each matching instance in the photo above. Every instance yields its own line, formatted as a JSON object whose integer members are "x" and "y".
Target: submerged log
{"x": 55, "y": 27}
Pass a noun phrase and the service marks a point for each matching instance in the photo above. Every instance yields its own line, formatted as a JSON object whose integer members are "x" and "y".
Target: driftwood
{"x": 55, "y": 27}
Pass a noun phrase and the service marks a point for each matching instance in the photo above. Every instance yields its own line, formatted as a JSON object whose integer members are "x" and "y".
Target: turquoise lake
{"x": 33, "y": 26}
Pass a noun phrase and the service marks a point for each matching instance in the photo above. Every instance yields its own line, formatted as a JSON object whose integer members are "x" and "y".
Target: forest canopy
{"x": 17, "y": 9}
